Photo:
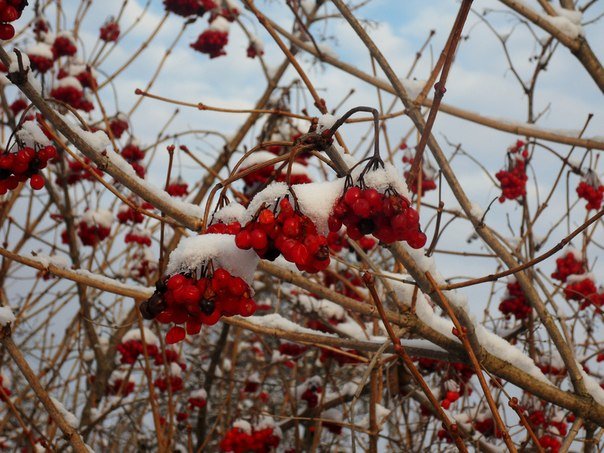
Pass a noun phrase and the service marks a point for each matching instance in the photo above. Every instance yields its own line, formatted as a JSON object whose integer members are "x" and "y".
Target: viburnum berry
{"x": 189, "y": 7}
{"x": 94, "y": 227}
{"x": 18, "y": 106}
{"x": 178, "y": 188}
{"x": 64, "y": 46}
{"x": 118, "y": 126}
{"x": 183, "y": 299}
{"x": 569, "y": 264}
{"x": 134, "y": 156}
{"x": 582, "y": 288}
{"x": 255, "y": 48}
{"x": 213, "y": 40}
{"x": 387, "y": 216}
{"x": 10, "y": 11}
{"x": 110, "y": 31}
{"x": 592, "y": 191}
{"x": 224, "y": 228}
{"x": 16, "y": 167}
{"x": 513, "y": 179}
{"x": 238, "y": 440}
{"x": 289, "y": 233}
{"x": 514, "y": 302}
{"x": 76, "y": 172}
{"x": 428, "y": 172}
{"x": 138, "y": 236}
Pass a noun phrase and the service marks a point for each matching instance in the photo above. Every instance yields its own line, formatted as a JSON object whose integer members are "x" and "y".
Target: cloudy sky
{"x": 480, "y": 81}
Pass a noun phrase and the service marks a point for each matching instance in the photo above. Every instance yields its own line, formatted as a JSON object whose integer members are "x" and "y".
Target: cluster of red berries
{"x": 292, "y": 349}
{"x": 131, "y": 350}
{"x": 64, "y": 46}
{"x": 178, "y": 188}
{"x": 548, "y": 442}
{"x": 486, "y": 426}
{"x": 584, "y": 291}
{"x": 183, "y": 299}
{"x": 134, "y": 156}
{"x": 254, "y": 50}
{"x": 72, "y": 94}
{"x": 175, "y": 383}
{"x": 258, "y": 441}
{"x": 515, "y": 303}
{"x": 137, "y": 238}
{"x": 211, "y": 42}
{"x": 90, "y": 235}
{"x": 187, "y": 8}
{"x": 76, "y": 172}
{"x": 197, "y": 400}
{"x": 120, "y": 387}
{"x": 224, "y": 228}
{"x": 337, "y": 242}
{"x": 311, "y": 395}
{"x": 513, "y": 180}
{"x": 592, "y": 193}
{"x": 82, "y": 73}
{"x": 110, "y": 31}
{"x": 10, "y": 11}
{"x": 427, "y": 183}
{"x": 118, "y": 126}
{"x": 388, "y": 216}
{"x": 289, "y": 233}
{"x": 18, "y": 105}
{"x": 16, "y": 167}
{"x": 568, "y": 265}
{"x": 127, "y": 214}
{"x": 450, "y": 397}
{"x": 350, "y": 286}
{"x": 459, "y": 372}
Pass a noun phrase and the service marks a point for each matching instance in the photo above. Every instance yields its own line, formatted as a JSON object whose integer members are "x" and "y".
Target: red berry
{"x": 7, "y": 31}
{"x": 176, "y": 281}
{"x": 36, "y": 182}
{"x": 352, "y": 195}
{"x": 175, "y": 334}
{"x": 243, "y": 240}
{"x": 258, "y": 239}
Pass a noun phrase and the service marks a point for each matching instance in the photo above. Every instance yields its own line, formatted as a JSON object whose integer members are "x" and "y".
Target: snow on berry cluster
{"x": 94, "y": 227}
{"x": 513, "y": 179}
{"x": 275, "y": 172}
{"x": 178, "y": 188}
{"x": 243, "y": 437}
{"x": 514, "y": 303}
{"x": 134, "y": 155}
{"x": 110, "y": 31}
{"x": 428, "y": 173}
{"x": 570, "y": 264}
{"x": 213, "y": 40}
{"x": 591, "y": 190}
{"x": 582, "y": 288}
{"x": 24, "y": 164}
{"x": 287, "y": 232}
{"x": 11, "y": 11}
{"x": 387, "y": 216}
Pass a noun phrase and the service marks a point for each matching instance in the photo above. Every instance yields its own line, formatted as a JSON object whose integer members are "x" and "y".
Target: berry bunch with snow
{"x": 387, "y": 216}
{"x": 110, "y": 31}
{"x": 24, "y": 164}
{"x": 582, "y": 288}
{"x": 289, "y": 233}
{"x": 94, "y": 227}
{"x": 243, "y": 437}
{"x": 513, "y": 179}
{"x": 514, "y": 302}
{"x": 10, "y": 11}
{"x": 178, "y": 188}
{"x": 213, "y": 40}
{"x": 428, "y": 173}
{"x": 591, "y": 190}
{"x": 570, "y": 264}
{"x": 134, "y": 156}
